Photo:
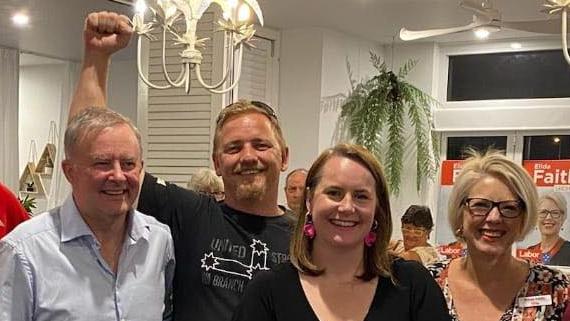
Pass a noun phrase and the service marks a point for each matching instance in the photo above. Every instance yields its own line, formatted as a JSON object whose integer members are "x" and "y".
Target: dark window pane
{"x": 456, "y": 146}
{"x": 547, "y": 147}
{"x": 508, "y": 75}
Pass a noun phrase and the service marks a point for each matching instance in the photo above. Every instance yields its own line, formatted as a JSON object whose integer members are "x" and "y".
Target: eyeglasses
{"x": 413, "y": 231}
{"x": 555, "y": 214}
{"x": 483, "y": 206}
{"x": 265, "y": 108}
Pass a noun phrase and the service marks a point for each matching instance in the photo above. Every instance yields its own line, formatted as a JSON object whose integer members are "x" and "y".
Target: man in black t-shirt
{"x": 219, "y": 247}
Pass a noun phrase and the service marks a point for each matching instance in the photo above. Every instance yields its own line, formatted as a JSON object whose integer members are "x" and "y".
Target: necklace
{"x": 547, "y": 255}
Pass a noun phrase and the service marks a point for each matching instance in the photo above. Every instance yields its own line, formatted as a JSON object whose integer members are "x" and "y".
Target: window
{"x": 456, "y": 146}
{"x": 546, "y": 147}
{"x": 508, "y": 75}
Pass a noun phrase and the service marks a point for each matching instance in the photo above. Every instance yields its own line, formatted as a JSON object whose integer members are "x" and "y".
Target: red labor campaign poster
{"x": 446, "y": 243}
{"x": 548, "y": 176}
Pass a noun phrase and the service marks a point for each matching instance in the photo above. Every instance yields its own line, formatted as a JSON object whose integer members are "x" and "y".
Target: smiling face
{"x": 343, "y": 204}
{"x": 104, "y": 170}
{"x": 547, "y": 223}
{"x": 249, "y": 158}
{"x": 491, "y": 234}
{"x": 414, "y": 236}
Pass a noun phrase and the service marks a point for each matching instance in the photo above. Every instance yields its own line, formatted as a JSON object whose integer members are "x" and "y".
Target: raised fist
{"x": 106, "y": 32}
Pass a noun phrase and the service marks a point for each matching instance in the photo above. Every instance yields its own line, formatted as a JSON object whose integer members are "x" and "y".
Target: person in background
{"x": 95, "y": 257}
{"x": 493, "y": 204}
{"x": 220, "y": 247}
{"x": 417, "y": 224}
{"x": 294, "y": 188}
{"x": 11, "y": 211}
{"x": 551, "y": 216}
{"x": 206, "y": 181}
{"x": 340, "y": 268}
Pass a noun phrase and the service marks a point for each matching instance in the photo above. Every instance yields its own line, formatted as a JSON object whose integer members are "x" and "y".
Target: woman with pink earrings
{"x": 339, "y": 267}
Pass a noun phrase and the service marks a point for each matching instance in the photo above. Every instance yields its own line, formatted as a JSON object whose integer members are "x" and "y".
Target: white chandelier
{"x": 560, "y": 7}
{"x": 165, "y": 13}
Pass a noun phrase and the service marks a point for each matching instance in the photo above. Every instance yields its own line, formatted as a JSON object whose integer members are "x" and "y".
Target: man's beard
{"x": 251, "y": 190}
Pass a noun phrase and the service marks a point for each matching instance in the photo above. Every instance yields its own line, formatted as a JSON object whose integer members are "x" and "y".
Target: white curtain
{"x": 9, "y": 75}
{"x": 60, "y": 188}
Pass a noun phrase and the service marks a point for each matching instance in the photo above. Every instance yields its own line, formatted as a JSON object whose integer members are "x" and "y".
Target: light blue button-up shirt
{"x": 51, "y": 269}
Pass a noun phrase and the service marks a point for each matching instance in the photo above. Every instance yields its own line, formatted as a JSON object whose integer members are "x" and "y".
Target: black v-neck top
{"x": 277, "y": 295}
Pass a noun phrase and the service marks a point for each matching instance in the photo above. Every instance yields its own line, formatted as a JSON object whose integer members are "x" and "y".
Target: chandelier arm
{"x": 180, "y": 79}
{"x": 188, "y": 79}
{"x": 565, "y": 35}
{"x": 144, "y": 79}
{"x": 223, "y": 91}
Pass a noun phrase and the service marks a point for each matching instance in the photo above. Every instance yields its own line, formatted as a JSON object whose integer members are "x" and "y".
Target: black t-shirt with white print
{"x": 218, "y": 249}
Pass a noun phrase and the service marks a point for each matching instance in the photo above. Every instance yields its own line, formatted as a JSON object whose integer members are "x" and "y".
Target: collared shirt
{"x": 51, "y": 268}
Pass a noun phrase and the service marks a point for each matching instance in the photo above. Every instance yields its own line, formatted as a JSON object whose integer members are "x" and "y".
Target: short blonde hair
{"x": 377, "y": 261}
{"x": 205, "y": 180}
{"x": 492, "y": 163}
{"x": 558, "y": 199}
{"x": 243, "y": 107}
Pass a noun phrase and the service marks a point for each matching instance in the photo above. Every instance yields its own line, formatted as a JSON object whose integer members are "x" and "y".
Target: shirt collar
{"x": 73, "y": 226}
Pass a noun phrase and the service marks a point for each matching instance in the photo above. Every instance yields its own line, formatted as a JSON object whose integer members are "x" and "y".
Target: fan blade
{"x": 551, "y": 26}
{"x": 408, "y": 35}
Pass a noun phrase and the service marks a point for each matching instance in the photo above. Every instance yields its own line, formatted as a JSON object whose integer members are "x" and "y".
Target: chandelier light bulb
{"x": 243, "y": 13}
{"x": 233, "y": 3}
{"x": 21, "y": 19}
{"x": 140, "y": 6}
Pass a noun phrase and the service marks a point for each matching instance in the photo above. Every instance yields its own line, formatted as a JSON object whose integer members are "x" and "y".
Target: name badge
{"x": 533, "y": 301}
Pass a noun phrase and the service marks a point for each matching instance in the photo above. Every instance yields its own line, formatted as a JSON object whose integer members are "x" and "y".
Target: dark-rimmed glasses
{"x": 267, "y": 110}
{"x": 265, "y": 107}
{"x": 415, "y": 231}
{"x": 555, "y": 214}
{"x": 482, "y": 207}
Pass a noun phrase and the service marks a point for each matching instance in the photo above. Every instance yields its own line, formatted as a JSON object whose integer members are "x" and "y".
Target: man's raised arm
{"x": 104, "y": 34}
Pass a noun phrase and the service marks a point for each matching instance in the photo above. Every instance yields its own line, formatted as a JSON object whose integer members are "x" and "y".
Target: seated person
{"x": 206, "y": 181}
{"x": 416, "y": 227}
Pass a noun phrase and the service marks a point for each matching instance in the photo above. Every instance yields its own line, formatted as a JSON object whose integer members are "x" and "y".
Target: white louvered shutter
{"x": 178, "y": 128}
{"x": 258, "y": 72}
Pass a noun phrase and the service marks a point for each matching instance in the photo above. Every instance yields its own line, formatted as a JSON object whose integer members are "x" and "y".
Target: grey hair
{"x": 91, "y": 121}
{"x": 206, "y": 180}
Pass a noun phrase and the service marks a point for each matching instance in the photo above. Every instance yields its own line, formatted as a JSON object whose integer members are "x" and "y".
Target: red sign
{"x": 549, "y": 172}
{"x": 531, "y": 255}
{"x": 452, "y": 250}
{"x": 449, "y": 171}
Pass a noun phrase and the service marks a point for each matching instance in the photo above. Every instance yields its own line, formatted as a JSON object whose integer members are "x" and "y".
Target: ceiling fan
{"x": 487, "y": 18}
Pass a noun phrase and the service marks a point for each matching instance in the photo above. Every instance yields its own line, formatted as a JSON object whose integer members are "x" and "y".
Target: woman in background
{"x": 551, "y": 216}
{"x": 340, "y": 268}
{"x": 493, "y": 204}
{"x": 417, "y": 224}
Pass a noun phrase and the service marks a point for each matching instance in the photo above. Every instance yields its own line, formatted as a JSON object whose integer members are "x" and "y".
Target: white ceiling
{"x": 56, "y": 25}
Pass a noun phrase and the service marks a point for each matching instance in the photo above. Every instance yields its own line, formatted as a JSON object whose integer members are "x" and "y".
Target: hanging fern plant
{"x": 375, "y": 114}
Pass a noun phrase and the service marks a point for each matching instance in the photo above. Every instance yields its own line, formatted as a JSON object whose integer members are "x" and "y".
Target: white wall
{"x": 313, "y": 82}
{"x": 41, "y": 100}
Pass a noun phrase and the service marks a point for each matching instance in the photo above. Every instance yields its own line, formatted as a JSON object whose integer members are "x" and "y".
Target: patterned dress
{"x": 541, "y": 280}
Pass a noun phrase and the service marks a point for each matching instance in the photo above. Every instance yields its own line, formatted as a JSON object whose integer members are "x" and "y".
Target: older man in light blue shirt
{"x": 93, "y": 258}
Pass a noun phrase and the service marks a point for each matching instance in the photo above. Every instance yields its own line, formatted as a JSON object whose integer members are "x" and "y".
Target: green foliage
{"x": 28, "y": 203}
{"x": 375, "y": 114}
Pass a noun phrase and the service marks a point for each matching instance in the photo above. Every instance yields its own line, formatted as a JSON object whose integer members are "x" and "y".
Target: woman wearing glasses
{"x": 492, "y": 205}
{"x": 416, "y": 227}
{"x": 551, "y": 216}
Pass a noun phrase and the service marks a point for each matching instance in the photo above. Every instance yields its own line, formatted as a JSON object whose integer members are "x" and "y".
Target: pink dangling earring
{"x": 370, "y": 238}
{"x": 309, "y": 227}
